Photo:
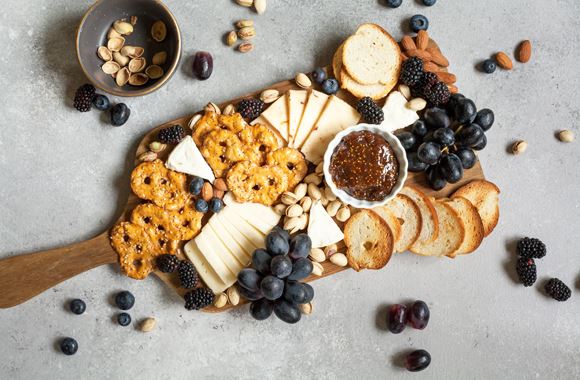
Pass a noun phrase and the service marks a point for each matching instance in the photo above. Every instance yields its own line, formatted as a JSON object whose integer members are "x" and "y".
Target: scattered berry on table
{"x": 69, "y": 346}
{"x": 558, "y": 290}
{"x": 438, "y": 94}
{"x": 195, "y": 185}
{"x": 188, "y": 276}
{"x": 429, "y": 3}
{"x": 526, "y": 269}
{"x": 412, "y": 71}
{"x": 77, "y": 306}
{"x": 419, "y": 22}
{"x": 125, "y": 300}
{"x": 531, "y": 248}
{"x": 171, "y": 135}
{"x": 418, "y": 315}
{"x": 216, "y": 205}
{"x": 330, "y": 86}
{"x": 250, "y": 108}
{"x": 417, "y": 360}
{"x": 370, "y": 111}
{"x": 201, "y": 206}
{"x": 119, "y": 114}
{"x": 319, "y": 75}
{"x": 101, "y": 102}
{"x": 394, "y": 3}
{"x": 84, "y": 97}
{"x": 124, "y": 319}
{"x": 397, "y": 318}
{"x": 167, "y": 263}
{"x": 198, "y": 299}
{"x": 489, "y": 66}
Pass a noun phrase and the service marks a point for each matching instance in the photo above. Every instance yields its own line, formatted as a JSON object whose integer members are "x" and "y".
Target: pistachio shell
{"x": 121, "y": 59}
{"x": 134, "y": 20}
{"x": 104, "y": 53}
{"x": 113, "y": 33}
{"x": 159, "y": 58}
{"x": 122, "y": 76}
{"x": 138, "y": 79}
{"x": 158, "y": 31}
{"x": 110, "y": 67}
{"x": 123, "y": 27}
{"x": 136, "y": 65}
{"x": 115, "y": 43}
{"x": 132, "y": 51}
{"x": 154, "y": 72}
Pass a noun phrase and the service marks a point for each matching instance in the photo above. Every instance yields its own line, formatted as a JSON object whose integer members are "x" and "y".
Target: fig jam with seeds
{"x": 364, "y": 165}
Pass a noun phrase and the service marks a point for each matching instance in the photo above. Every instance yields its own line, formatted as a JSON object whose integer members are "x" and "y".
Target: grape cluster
{"x": 443, "y": 141}
{"x": 273, "y": 282}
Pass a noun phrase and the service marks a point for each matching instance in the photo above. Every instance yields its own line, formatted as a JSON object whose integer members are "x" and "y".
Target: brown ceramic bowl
{"x": 93, "y": 30}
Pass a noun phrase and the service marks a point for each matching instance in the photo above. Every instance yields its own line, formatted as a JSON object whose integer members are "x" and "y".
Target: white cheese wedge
{"x": 312, "y": 112}
{"x": 337, "y": 115}
{"x": 252, "y": 234}
{"x": 277, "y": 116}
{"x": 397, "y": 115}
{"x": 262, "y": 121}
{"x": 243, "y": 254}
{"x": 216, "y": 254}
{"x": 207, "y": 272}
{"x": 296, "y": 102}
{"x": 262, "y": 217}
{"x": 323, "y": 231}
{"x": 186, "y": 158}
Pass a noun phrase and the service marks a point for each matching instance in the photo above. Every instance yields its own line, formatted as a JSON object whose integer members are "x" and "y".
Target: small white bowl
{"x": 399, "y": 153}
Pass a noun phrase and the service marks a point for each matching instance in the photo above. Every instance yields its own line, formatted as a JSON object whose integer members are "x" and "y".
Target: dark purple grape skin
{"x": 309, "y": 291}
{"x": 417, "y": 360}
{"x": 419, "y": 128}
{"x": 407, "y": 139}
{"x": 437, "y": 118}
{"x": 202, "y": 65}
{"x": 261, "y": 261}
{"x": 418, "y": 315}
{"x": 249, "y": 295}
{"x": 301, "y": 269}
{"x": 415, "y": 164}
{"x": 429, "y": 153}
{"x": 469, "y": 135}
{"x": 467, "y": 157}
{"x": 261, "y": 309}
{"x": 272, "y": 287}
{"x": 300, "y": 246}
{"x": 485, "y": 119}
{"x": 451, "y": 168}
{"x": 435, "y": 178}
{"x": 281, "y": 266}
{"x": 397, "y": 318}
{"x": 481, "y": 144}
{"x": 287, "y": 311}
{"x": 250, "y": 279}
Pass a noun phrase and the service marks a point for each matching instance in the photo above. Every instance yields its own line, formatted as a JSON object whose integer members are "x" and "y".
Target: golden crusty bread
{"x": 451, "y": 233}
{"x": 372, "y": 56}
{"x": 393, "y": 222}
{"x": 369, "y": 241}
{"x": 409, "y": 216}
{"x": 472, "y": 223}
{"x": 484, "y": 195}
{"x": 429, "y": 220}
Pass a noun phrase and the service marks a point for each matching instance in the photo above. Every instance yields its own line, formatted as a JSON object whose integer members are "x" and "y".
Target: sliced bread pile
{"x": 423, "y": 225}
{"x": 368, "y": 62}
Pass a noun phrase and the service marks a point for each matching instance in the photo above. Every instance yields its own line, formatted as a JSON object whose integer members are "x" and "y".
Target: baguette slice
{"x": 409, "y": 216}
{"x": 429, "y": 219}
{"x": 472, "y": 223}
{"x": 372, "y": 56}
{"x": 451, "y": 233}
{"x": 369, "y": 241}
{"x": 393, "y": 222}
{"x": 484, "y": 195}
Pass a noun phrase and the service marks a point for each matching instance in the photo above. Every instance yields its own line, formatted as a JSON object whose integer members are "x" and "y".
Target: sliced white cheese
{"x": 277, "y": 116}
{"x": 311, "y": 114}
{"x": 186, "y": 158}
{"x": 397, "y": 115}
{"x": 337, "y": 115}
{"x": 323, "y": 231}
{"x": 262, "y": 217}
{"x": 216, "y": 254}
{"x": 296, "y": 102}
{"x": 230, "y": 258}
{"x": 252, "y": 234}
{"x": 206, "y": 271}
{"x": 232, "y": 244}
{"x": 227, "y": 225}
{"x": 262, "y": 121}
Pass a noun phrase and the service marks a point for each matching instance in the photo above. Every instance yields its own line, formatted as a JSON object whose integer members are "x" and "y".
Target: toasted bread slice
{"x": 472, "y": 223}
{"x": 372, "y": 56}
{"x": 429, "y": 219}
{"x": 369, "y": 241}
{"x": 451, "y": 233}
{"x": 409, "y": 216}
{"x": 484, "y": 195}
{"x": 392, "y": 220}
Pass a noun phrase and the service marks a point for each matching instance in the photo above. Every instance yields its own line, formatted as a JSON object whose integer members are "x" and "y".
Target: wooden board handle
{"x": 25, "y": 276}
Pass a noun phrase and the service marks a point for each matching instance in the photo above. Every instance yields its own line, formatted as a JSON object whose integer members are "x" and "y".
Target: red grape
{"x": 397, "y": 318}
{"x": 418, "y": 316}
{"x": 417, "y": 360}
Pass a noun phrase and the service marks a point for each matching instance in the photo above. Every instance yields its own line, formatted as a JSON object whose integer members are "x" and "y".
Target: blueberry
{"x": 419, "y": 22}
{"x": 216, "y": 205}
{"x": 330, "y": 86}
{"x": 120, "y": 114}
{"x": 101, "y": 102}
{"x": 201, "y": 206}
{"x": 276, "y": 244}
{"x": 485, "y": 119}
{"x": 124, "y": 319}
{"x": 488, "y": 66}
{"x": 125, "y": 300}
{"x": 319, "y": 75}
{"x": 419, "y": 128}
{"x": 429, "y": 3}
{"x": 394, "y": 3}
{"x": 69, "y": 346}
{"x": 77, "y": 306}
{"x": 195, "y": 185}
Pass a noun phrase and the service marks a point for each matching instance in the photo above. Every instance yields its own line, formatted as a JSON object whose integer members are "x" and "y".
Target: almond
{"x": 524, "y": 51}
{"x": 423, "y": 54}
{"x": 437, "y": 57}
{"x": 206, "y": 191}
{"x": 504, "y": 61}
{"x": 422, "y": 40}
{"x": 446, "y": 78}
{"x": 218, "y": 193}
{"x": 220, "y": 184}
{"x": 431, "y": 67}
{"x": 408, "y": 43}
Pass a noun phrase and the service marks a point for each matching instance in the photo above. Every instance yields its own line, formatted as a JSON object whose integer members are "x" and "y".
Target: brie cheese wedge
{"x": 397, "y": 115}
{"x": 186, "y": 158}
{"x": 323, "y": 231}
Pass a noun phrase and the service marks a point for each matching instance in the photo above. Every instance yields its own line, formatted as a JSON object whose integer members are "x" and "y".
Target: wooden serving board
{"x": 23, "y": 277}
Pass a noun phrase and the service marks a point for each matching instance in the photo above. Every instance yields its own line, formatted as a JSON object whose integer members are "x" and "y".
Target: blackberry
{"x": 198, "y": 299}
{"x": 531, "y": 248}
{"x": 369, "y": 110}
{"x": 171, "y": 135}
{"x": 188, "y": 276}
{"x": 250, "y": 108}
{"x": 526, "y": 269}
{"x": 412, "y": 71}
{"x": 167, "y": 263}
{"x": 427, "y": 80}
{"x": 438, "y": 94}
{"x": 558, "y": 290}
{"x": 83, "y": 100}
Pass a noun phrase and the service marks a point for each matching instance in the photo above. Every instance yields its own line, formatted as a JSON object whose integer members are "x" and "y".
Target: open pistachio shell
{"x": 115, "y": 43}
{"x": 110, "y": 67}
{"x": 138, "y": 79}
{"x": 154, "y": 72}
{"x": 113, "y": 33}
{"x": 159, "y": 58}
{"x": 121, "y": 59}
{"x": 132, "y": 51}
{"x": 104, "y": 53}
{"x": 158, "y": 31}
{"x": 122, "y": 76}
{"x": 123, "y": 27}
{"x": 136, "y": 65}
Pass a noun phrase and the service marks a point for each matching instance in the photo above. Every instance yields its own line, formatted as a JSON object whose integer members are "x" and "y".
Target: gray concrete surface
{"x": 64, "y": 176}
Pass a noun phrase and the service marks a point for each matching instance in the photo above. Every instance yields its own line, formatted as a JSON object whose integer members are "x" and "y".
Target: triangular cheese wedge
{"x": 337, "y": 115}
{"x": 312, "y": 112}
{"x": 296, "y": 102}
{"x": 397, "y": 115}
{"x": 277, "y": 116}
{"x": 322, "y": 230}
{"x": 186, "y": 158}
